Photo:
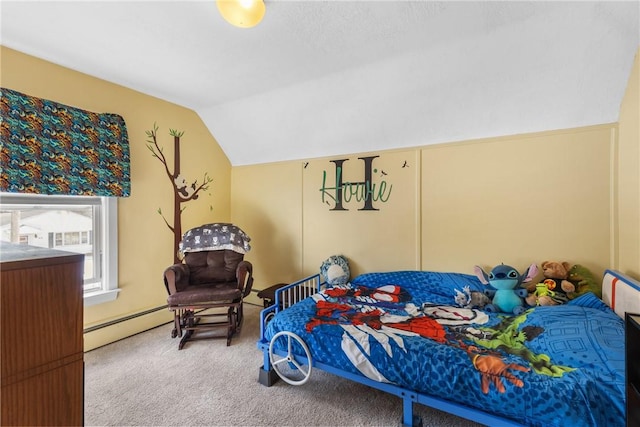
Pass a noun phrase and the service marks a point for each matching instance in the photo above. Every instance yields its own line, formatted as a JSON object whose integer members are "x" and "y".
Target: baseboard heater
{"x": 133, "y": 316}
{"x": 124, "y": 319}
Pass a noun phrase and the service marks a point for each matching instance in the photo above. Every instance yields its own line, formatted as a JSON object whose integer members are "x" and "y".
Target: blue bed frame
{"x": 303, "y": 288}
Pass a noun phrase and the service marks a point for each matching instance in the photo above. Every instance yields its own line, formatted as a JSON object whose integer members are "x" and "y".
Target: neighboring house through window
{"x": 81, "y": 224}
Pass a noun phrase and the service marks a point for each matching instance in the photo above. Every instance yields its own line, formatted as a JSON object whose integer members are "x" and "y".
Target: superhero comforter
{"x": 550, "y": 366}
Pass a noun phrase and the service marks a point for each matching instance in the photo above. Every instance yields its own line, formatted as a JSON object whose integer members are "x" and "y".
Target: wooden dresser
{"x": 41, "y": 310}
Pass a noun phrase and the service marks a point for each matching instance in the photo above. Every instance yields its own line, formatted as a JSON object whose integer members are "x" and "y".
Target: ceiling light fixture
{"x": 242, "y": 13}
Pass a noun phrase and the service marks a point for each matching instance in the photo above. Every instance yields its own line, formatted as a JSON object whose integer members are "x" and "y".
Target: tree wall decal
{"x": 182, "y": 191}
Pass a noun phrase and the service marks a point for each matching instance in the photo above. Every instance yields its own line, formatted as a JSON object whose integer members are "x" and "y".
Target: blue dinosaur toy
{"x": 503, "y": 286}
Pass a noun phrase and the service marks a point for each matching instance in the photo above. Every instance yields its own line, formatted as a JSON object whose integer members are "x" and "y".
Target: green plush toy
{"x": 550, "y": 292}
{"x": 584, "y": 281}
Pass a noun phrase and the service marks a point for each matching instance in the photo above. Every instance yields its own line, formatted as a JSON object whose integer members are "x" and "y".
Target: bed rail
{"x": 288, "y": 295}
{"x": 620, "y": 292}
{"x": 297, "y": 291}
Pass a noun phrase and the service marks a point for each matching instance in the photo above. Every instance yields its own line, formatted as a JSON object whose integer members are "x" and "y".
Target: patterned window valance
{"x": 51, "y": 148}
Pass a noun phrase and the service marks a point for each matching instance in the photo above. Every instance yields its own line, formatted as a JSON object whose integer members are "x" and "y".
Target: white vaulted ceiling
{"x": 323, "y": 78}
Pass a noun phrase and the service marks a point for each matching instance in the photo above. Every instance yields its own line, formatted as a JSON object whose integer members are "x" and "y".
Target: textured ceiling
{"x": 323, "y": 78}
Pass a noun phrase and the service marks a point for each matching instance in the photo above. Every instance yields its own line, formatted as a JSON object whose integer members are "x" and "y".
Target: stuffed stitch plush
{"x": 504, "y": 286}
{"x": 335, "y": 270}
{"x": 584, "y": 281}
{"x": 554, "y": 289}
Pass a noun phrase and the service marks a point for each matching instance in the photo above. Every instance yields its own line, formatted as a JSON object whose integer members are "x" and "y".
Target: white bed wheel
{"x": 287, "y": 367}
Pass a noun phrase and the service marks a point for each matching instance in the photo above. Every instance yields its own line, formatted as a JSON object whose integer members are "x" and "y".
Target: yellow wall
{"x": 145, "y": 242}
{"x": 266, "y": 205}
{"x": 517, "y": 200}
{"x": 628, "y": 177}
{"x": 386, "y": 235}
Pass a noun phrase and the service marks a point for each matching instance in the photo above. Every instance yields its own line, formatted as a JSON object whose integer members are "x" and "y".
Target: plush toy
{"x": 554, "y": 289}
{"x": 471, "y": 299}
{"x": 503, "y": 285}
{"x": 584, "y": 281}
{"x": 335, "y": 270}
{"x": 548, "y": 292}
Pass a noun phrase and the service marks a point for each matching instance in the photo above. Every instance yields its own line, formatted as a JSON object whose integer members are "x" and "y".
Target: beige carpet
{"x": 146, "y": 381}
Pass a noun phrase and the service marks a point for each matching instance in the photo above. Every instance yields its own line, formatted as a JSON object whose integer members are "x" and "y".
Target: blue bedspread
{"x": 551, "y": 366}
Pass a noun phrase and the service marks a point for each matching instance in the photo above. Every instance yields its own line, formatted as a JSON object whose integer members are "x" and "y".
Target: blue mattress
{"x": 550, "y": 366}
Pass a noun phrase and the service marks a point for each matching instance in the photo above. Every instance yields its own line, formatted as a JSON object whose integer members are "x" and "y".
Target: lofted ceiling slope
{"x": 324, "y": 78}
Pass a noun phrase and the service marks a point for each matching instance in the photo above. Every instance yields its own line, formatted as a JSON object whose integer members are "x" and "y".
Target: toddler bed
{"x": 403, "y": 333}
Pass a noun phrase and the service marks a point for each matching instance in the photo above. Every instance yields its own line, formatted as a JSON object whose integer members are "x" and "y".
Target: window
{"x": 81, "y": 224}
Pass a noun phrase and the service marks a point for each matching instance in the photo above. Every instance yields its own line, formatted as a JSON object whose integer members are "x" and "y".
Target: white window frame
{"x": 106, "y": 239}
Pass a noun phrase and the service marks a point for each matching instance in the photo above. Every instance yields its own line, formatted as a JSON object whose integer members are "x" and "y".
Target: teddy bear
{"x": 555, "y": 288}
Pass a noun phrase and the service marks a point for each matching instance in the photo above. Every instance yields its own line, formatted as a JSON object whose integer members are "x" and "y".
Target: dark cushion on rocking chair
{"x": 213, "y": 266}
{"x": 202, "y": 294}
